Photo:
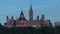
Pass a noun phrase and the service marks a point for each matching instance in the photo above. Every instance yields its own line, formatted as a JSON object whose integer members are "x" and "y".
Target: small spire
{"x": 7, "y": 17}
{"x": 22, "y": 13}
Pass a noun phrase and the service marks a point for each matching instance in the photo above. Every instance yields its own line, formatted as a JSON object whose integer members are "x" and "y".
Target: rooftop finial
{"x": 22, "y": 12}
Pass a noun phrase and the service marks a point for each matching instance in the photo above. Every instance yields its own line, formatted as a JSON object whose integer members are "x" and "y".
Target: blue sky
{"x": 50, "y": 8}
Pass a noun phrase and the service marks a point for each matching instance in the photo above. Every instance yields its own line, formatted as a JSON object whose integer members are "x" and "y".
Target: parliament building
{"x": 23, "y": 22}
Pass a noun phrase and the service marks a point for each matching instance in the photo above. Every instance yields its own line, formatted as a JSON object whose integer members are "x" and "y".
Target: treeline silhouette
{"x": 29, "y": 30}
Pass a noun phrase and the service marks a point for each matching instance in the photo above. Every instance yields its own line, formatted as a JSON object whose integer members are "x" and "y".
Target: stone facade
{"x": 23, "y": 22}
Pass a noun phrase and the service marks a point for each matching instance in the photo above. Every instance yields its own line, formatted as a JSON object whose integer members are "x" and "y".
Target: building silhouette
{"x": 23, "y": 22}
{"x": 57, "y": 23}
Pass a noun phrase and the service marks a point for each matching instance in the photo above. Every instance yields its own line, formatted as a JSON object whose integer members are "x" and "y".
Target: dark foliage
{"x": 29, "y": 30}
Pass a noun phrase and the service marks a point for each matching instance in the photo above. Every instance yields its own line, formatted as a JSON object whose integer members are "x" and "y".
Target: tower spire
{"x": 30, "y": 6}
{"x": 30, "y": 13}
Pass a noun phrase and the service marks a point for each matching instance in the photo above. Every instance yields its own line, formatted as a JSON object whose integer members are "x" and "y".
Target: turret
{"x": 7, "y": 19}
{"x": 43, "y": 18}
{"x": 12, "y": 18}
{"x": 12, "y": 21}
{"x": 37, "y": 18}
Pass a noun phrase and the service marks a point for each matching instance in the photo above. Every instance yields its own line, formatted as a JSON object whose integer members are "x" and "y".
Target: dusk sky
{"x": 50, "y": 8}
